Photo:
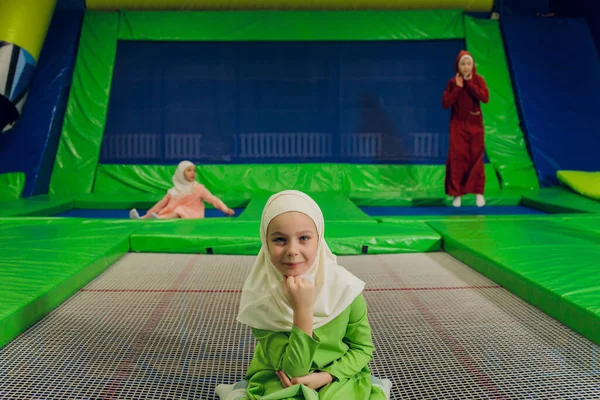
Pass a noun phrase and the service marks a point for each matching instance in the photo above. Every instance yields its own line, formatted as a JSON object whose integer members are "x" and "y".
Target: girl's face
{"x": 190, "y": 173}
{"x": 292, "y": 241}
{"x": 465, "y": 66}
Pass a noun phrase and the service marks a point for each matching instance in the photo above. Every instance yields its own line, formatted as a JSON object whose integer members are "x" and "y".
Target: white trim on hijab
{"x": 470, "y": 57}
{"x": 263, "y": 304}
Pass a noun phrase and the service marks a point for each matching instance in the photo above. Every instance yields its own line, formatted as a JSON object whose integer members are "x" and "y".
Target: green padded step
{"x": 36, "y": 206}
{"x": 242, "y": 237}
{"x": 560, "y": 200}
{"x": 549, "y": 263}
{"x": 346, "y": 238}
{"x": 216, "y": 236}
{"x": 45, "y": 261}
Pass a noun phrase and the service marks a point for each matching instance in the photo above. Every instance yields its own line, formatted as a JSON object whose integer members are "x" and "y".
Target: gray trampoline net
{"x": 163, "y": 327}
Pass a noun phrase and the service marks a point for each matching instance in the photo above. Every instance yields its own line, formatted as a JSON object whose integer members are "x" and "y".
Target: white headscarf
{"x": 263, "y": 304}
{"x": 181, "y": 186}
{"x": 470, "y": 57}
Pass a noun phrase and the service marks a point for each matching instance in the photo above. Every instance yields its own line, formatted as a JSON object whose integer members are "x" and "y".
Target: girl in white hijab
{"x": 185, "y": 199}
{"x": 307, "y": 313}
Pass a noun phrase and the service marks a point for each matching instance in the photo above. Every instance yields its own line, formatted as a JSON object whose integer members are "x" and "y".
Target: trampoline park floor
{"x": 124, "y": 214}
{"x": 373, "y": 211}
{"x": 450, "y": 211}
{"x": 163, "y": 326}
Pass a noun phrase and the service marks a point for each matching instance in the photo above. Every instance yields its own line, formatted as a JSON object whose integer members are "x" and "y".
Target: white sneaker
{"x": 133, "y": 214}
{"x": 236, "y": 391}
{"x": 480, "y": 200}
{"x": 457, "y": 201}
{"x": 223, "y": 391}
{"x": 387, "y": 387}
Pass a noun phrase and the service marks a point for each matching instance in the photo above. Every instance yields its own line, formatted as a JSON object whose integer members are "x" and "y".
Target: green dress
{"x": 343, "y": 347}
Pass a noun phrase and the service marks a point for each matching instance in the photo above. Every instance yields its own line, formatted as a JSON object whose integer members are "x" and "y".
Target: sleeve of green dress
{"x": 292, "y": 353}
{"x": 359, "y": 341}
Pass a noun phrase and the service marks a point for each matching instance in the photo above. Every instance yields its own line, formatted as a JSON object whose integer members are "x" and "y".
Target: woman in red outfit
{"x": 465, "y": 172}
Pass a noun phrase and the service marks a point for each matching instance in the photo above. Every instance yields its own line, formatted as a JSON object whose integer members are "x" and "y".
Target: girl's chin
{"x": 287, "y": 273}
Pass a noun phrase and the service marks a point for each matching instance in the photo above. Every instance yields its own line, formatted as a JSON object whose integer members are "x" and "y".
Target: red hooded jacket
{"x": 465, "y": 101}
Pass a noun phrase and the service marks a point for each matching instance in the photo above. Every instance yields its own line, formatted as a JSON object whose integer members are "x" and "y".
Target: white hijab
{"x": 466, "y": 56}
{"x": 181, "y": 186}
{"x": 263, "y": 304}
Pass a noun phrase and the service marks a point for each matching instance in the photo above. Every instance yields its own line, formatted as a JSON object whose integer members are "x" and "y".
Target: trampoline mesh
{"x": 163, "y": 326}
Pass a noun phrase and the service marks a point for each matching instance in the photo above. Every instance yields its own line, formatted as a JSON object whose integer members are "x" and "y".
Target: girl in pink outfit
{"x": 185, "y": 199}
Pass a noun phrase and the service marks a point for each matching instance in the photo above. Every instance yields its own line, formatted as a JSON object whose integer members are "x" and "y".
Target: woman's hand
{"x": 459, "y": 80}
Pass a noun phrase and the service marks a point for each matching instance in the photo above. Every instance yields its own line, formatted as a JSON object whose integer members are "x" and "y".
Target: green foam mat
{"x": 347, "y": 239}
{"x": 358, "y": 181}
{"x": 549, "y": 263}
{"x": 242, "y": 237}
{"x": 208, "y": 236}
{"x": 107, "y": 201}
{"x": 587, "y": 222}
{"x": 461, "y": 218}
{"x": 335, "y": 207}
{"x": 11, "y": 185}
{"x": 45, "y": 261}
{"x": 36, "y": 206}
{"x": 433, "y": 197}
{"x": 560, "y": 200}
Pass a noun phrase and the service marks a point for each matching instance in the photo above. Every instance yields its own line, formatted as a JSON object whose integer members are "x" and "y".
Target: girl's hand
{"x": 285, "y": 381}
{"x": 468, "y": 77}
{"x": 315, "y": 381}
{"x": 230, "y": 212}
{"x": 459, "y": 80}
{"x": 301, "y": 293}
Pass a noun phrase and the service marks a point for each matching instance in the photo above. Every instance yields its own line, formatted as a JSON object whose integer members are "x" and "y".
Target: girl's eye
{"x": 304, "y": 238}
{"x": 279, "y": 240}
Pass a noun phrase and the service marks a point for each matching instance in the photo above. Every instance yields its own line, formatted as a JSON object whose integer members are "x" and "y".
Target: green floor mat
{"x": 465, "y": 218}
{"x": 45, "y": 205}
{"x": 560, "y": 200}
{"x": 431, "y": 197}
{"x": 588, "y": 222}
{"x": 335, "y": 207}
{"x": 36, "y": 206}
{"x": 549, "y": 263}
{"x": 107, "y": 201}
{"x": 44, "y": 261}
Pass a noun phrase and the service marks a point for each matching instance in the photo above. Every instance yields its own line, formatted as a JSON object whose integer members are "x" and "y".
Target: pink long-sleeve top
{"x": 190, "y": 206}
